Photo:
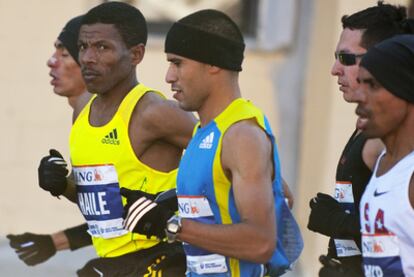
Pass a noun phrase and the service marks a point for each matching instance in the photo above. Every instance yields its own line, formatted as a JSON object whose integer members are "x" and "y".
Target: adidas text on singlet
{"x": 103, "y": 160}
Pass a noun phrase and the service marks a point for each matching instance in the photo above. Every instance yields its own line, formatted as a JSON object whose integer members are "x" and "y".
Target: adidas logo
{"x": 111, "y": 138}
{"x": 207, "y": 142}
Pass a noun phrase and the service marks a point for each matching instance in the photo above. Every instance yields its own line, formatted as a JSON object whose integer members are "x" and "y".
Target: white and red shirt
{"x": 387, "y": 221}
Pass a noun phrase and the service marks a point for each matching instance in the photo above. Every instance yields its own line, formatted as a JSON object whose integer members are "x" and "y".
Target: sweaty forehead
{"x": 349, "y": 42}
{"x": 99, "y": 31}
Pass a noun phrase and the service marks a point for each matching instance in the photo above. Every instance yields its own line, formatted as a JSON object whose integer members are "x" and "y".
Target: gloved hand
{"x": 168, "y": 198}
{"x": 332, "y": 267}
{"x": 171, "y": 263}
{"x": 52, "y": 173}
{"x": 329, "y": 218}
{"x": 143, "y": 215}
{"x": 32, "y": 249}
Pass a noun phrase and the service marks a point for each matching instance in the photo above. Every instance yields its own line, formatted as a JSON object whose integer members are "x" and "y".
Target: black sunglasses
{"x": 347, "y": 58}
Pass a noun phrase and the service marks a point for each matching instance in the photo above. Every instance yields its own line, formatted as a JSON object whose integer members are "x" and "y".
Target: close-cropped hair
{"x": 377, "y": 23}
{"x": 127, "y": 19}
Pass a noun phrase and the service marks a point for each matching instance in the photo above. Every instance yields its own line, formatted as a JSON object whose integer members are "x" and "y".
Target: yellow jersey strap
{"x": 131, "y": 99}
{"x": 239, "y": 109}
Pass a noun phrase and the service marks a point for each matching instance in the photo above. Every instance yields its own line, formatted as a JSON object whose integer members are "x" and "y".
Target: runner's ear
{"x": 137, "y": 53}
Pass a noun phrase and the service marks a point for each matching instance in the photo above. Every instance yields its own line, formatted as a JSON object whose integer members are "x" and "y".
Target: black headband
{"x": 69, "y": 36}
{"x": 204, "y": 47}
{"x": 391, "y": 62}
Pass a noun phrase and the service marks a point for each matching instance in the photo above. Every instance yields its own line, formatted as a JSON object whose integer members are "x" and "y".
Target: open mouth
{"x": 176, "y": 91}
{"x": 54, "y": 79}
{"x": 342, "y": 87}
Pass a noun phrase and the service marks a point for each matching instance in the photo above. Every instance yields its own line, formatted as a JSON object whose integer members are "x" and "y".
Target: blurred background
{"x": 286, "y": 72}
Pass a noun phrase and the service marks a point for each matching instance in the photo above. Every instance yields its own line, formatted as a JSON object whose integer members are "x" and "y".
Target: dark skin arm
{"x": 159, "y": 131}
{"x": 72, "y": 238}
{"x": 70, "y": 192}
{"x": 171, "y": 123}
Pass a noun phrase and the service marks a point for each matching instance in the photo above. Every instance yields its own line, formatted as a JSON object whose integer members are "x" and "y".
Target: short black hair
{"x": 377, "y": 23}
{"x": 214, "y": 22}
{"x": 127, "y": 19}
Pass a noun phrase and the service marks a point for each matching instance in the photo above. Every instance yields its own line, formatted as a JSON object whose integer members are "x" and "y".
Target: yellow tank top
{"x": 103, "y": 160}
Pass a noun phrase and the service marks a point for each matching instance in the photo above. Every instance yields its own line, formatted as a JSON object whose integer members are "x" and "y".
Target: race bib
{"x": 344, "y": 195}
{"x": 207, "y": 264}
{"x": 195, "y": 207}
{"x": 99, "y": 199}
{"x": 381, "y": 255}
{"x": 199, "y": 260}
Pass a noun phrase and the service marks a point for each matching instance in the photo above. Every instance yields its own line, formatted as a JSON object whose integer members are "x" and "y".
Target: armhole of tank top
{"x": 128, "y": 106}
{"x": 410, "y": 191}
{"x": 374, "y": 171}
{"x": 226, "y": 125}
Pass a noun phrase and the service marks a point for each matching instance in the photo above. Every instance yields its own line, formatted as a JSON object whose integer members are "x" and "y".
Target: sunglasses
{"x": 347, "y": 58}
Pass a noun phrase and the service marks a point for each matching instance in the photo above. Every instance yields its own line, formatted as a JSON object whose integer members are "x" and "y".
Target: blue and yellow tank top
{"x": 205, "y": 195}
{"x": 103, "y": 160}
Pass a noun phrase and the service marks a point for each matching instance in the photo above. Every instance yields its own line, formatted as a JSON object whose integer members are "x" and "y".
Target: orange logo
{"x": 378, "y": 248}
{"x": 341, "y": 195}
{"x": 194, "y": 210}
{"x": 97, "y": 176}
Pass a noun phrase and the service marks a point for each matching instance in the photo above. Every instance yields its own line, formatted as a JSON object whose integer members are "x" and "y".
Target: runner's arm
{"x": 70, "y": 192}
{"x": 170, "y": 123}
{"x": 247, "y": 159}
{"x": 75, "y": 237}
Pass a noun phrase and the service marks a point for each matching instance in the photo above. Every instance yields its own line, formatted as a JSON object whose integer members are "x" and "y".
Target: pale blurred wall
{"x": 34, "y": 120}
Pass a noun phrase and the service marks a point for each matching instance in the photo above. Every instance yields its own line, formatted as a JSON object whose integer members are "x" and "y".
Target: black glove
{"x": 168, "y": 198}
{"x": 329, "y": 218}
{"x": 32, "y": 249}
{"x": 143, "y": 215}
{"x": 334, "y": 268}
{"x": 52, "y": 173}
{"x": 171, "y": 263}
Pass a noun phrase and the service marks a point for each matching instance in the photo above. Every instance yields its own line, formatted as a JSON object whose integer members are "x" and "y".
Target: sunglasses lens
{"x": 347, "y": 59}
